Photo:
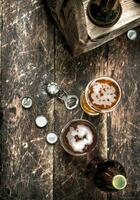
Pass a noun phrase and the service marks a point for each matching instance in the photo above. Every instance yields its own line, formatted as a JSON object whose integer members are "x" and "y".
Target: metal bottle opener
{"x": 70, "y": 101}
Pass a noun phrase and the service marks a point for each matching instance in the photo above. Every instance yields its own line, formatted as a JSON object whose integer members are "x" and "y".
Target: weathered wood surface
{"x": 34, "y": 52}
{"x": 72, "y": 15}
{"x": 27, "y": 57}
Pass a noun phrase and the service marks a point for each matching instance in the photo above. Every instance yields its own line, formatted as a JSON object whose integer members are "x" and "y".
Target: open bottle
{"x": 108, "y": 175}
{"x": 104, "y": 12}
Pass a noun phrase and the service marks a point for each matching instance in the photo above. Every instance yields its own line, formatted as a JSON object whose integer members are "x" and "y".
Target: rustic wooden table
{"x": 33, "y": 52}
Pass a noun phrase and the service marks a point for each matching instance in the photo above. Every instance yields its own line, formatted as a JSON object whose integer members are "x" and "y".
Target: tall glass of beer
{"x": 101, "y": 95}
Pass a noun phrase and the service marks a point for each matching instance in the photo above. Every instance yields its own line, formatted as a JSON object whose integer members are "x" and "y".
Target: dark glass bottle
{"x": 104, "y": 12}
{"x": 110, "y": 176}
{"x": 138, "y": 1}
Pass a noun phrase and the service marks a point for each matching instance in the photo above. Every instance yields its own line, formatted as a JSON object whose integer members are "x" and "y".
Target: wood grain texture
{"x": 125, "y": 123}
{"x": 33, "y": 53}
{"x": 0, "y": 59}
{"x": 70, "y": 180}
{"x": 27, "y": 61}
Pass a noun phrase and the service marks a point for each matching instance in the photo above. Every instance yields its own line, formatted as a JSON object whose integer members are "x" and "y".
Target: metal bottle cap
{"x": 119, "y": 182}
{"x": 132, "y": 34}
{"x": 53, "y": 88}
{"x": 41, "y": 121}
{"x": 52, "y": 138}
{"x": 27, "y": 102}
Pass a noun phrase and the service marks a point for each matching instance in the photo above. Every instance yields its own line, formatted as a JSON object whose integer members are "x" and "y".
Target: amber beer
{"x": 78, "y": 137}
{"x": 100, "y": 96}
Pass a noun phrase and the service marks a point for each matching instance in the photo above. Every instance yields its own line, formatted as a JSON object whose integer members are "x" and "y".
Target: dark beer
{"x": 110, "y": 176}
{"x": 78, "y": 137}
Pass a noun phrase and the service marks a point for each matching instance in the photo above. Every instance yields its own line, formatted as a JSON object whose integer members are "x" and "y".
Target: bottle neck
{"x": 114, "y": 179}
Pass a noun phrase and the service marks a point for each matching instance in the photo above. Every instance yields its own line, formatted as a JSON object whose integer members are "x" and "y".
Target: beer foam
{"x": 103, "y": 94}
{"x": 85, "y": 137}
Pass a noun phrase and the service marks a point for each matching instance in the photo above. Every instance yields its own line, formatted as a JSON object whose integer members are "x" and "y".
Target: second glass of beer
{"x": 101, "y": 95}
{"x": 78, "y": 137}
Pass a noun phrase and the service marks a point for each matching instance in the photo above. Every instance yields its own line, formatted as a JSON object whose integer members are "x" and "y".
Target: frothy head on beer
{"x": 79, "y": 137}
{"x": 103, "y": 94}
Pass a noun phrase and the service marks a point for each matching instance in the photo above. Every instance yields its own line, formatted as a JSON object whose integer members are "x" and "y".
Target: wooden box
{"x": 80, "y": 33}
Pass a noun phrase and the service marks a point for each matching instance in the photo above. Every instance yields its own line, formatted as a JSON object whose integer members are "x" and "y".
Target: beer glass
{"x": 100, "y": 96}
{"x": 104, "y": 12}
{"x": 78, "y": 137}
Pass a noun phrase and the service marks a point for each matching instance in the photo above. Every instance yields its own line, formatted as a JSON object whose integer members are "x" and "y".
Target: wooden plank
{"x": 0, "y": 58}
{"x": 73, "y": 75}
{"x": 123, "y": 129}
{"x": 70, "y": 181}
{"x": 27, "y": 61}
{"x": 30, "y": 57}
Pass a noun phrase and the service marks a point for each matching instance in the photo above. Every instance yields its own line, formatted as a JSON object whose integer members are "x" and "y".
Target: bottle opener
{"x": 70, "y": 101}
